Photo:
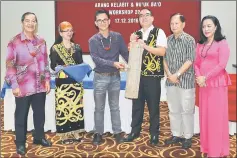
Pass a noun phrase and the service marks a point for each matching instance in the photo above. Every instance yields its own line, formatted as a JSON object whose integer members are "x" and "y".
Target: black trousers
{"x": 149, "y": 91}
{"x": 37, "y": 102}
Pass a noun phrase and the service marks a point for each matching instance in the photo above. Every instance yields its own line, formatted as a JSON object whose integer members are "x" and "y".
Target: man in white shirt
{"x": 154, "y": 42}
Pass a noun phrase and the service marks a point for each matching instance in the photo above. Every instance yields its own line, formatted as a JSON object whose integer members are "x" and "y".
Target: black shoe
{"x": 43, "y": 142}
{"x": 77, "y": 140}
{"x": 154, "y": 140}
{"x": 67, "y": 141}
{"x": 173, "y": 140}
{"x": 97, "y": 139}
{"x": 131, "y": 137}
{"x": 187, "y": 143}
{"x": 118, "y": 138}
{"x": 21, "y": 149}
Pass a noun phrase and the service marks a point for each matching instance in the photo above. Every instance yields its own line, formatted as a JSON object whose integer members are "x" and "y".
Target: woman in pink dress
{"x": 212, "y": 54}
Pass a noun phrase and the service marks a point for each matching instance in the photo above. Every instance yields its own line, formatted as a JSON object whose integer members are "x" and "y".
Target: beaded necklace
{"x": 204, "y": 56}
{"x": 108, "y": 47}
{"x": 34, "y": 52}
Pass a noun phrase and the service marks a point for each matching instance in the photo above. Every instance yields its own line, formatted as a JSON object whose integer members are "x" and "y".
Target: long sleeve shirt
{"x": 211, "y": 62}
{"x": 106, "y": 51}
{"x": 27, "y": 64}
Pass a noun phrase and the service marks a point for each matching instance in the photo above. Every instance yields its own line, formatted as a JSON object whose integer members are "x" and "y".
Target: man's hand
{"x": 129, "y": 46}
{"x": 142, "y": 43}
{"x": 16, "y": 92}
{"x": 133, "y": 37}
{"x": 47, "y": 87}
{"x": 119, "y": 65}
{"x": 173, "y": 78}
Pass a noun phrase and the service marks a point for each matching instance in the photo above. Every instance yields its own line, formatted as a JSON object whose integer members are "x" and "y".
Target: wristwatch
{"x": 178, "y": 74}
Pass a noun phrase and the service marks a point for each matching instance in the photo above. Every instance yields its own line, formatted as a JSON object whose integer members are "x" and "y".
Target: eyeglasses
{"x": 71, "y": 31}
{"x": 144, "y": 15}
{"x": 99, "y": 21}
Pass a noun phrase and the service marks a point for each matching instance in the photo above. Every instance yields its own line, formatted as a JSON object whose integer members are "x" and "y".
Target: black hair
{"x": 139, "y": 14}
{"x": 28, "y": 13}
{"x": 181, "y": 16}
{"x": 218, "y": 34}
{"x": 146, "y": 9}
{"x": 102, "y": 11}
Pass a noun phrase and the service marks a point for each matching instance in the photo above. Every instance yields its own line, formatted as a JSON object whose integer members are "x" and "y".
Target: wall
{"x": 11, "y": 12}
{"x": 225, "y": 11}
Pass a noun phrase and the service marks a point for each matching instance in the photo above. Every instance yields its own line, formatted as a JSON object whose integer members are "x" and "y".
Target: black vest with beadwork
{"x": 152, "y": 65}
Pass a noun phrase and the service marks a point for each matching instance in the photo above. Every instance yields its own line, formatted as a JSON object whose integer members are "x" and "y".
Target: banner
{"x": 124, "y": 16}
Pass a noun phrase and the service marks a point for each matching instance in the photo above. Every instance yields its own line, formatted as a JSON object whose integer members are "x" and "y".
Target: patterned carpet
{"x": 139, "y": 148}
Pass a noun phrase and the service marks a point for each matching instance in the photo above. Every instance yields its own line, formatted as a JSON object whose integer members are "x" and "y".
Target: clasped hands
{"x": 201, "y": 81}
{"x": 173, "y": 78}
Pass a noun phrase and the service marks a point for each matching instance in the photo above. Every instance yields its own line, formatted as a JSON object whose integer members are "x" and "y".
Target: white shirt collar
{"x": 146, "y": 33}
{"x": 148, "y": 30}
